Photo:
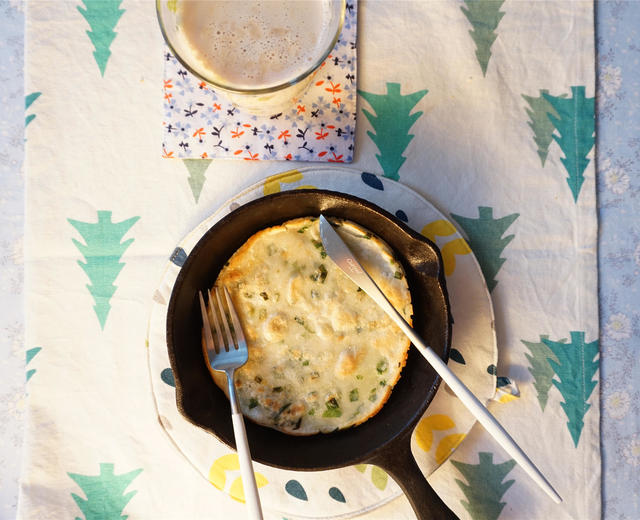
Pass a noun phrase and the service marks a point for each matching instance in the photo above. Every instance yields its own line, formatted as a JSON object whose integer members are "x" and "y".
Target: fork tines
{"x": 216, "y": 312}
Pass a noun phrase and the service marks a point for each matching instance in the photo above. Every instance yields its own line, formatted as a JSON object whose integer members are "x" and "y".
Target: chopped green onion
{"x": 354, "y": 395}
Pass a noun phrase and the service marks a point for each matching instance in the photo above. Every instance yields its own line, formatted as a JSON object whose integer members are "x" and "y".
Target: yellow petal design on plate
{"x": 217, "y": 471}
{"x": 506, "y": 398}
{"x": 447, "y": 445}
{"x": 379, "y": 477}
{"x": 424, "y": 430}
{"x": 306, "y": 187}
{"x": 458, "y": 246}
{"x": 449, "y": 251}
{"x": 272, "y": 184}
{"x": 237, "y": 491}
{"x": 438, "y": 228}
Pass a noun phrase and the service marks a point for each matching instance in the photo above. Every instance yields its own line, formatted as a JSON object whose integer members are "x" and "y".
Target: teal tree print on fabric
{"x": 542, "y": 127}
{"x": 28, "y": 101}
{"x": 197, "y": 169}
{"x": 485, "y": 486}
{"x": 575, "y": 125}
{"x": 30, "y": 354}
{"x": 102, "y": 250}
{"x": 575, "y": 368}
{"x": 105, "y": 497}
{"x": 391, "y": 124}
{"x": 102, "y": 16}
{"x": 540, "y": 369}
{"x": 484, "y": 16}
{"x": 484, "y": 236}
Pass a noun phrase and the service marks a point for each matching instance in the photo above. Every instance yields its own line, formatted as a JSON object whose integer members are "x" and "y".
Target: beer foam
{"x": 256, "y": 43}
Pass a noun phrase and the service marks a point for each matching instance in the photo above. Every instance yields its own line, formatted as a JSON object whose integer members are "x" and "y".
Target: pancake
{"x": 322, "y": 355}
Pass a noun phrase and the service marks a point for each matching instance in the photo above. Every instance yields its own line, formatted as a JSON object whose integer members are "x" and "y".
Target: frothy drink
{"x": 257, "y": 44}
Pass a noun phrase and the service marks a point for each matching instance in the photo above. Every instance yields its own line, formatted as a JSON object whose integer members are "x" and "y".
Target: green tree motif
{"x": 540, "y": 368}
{"x": 485, "y": 240}
{"x": 102, "y": 251}
{"x": 197, "y": 169}
{"x": 30, "y": 354}
{"x": 392, "y": 121}
{"x": 28, "y": 101}
{"x": 484, "y": 16}
{"x": 484, "y": 487}
{"x": 102, "y": 16}
{"x": 575, "y": 367}
{"x": 575, "y": 124}
{"x": 540, "y": 123}
{"x": 105, "y": 498}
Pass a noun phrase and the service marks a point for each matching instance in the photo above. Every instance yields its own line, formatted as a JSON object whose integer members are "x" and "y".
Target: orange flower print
{"x": 199, "y": 133}
{"x": 335, "y": 88}
{"x": 165, "y": 154}
{"x": 235, "y": 134}
{"x": 216, "y": 107}
{"x": 301, "y": 109}
{"x": 167, "y": 83}
{"x": 321, "y": 135}
{"x": 284, "y": 134}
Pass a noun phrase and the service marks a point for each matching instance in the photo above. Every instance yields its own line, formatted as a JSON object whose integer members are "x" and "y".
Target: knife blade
{"x": 342, "y": 256}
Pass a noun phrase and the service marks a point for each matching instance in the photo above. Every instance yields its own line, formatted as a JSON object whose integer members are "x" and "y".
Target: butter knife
{"x": 340, "y": 253}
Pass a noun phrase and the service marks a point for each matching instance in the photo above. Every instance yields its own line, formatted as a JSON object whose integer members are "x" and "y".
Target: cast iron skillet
{"x": 383, "y": 440}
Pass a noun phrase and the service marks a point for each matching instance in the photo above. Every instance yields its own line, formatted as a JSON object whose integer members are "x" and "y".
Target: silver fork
{"x": 226, "y": 358}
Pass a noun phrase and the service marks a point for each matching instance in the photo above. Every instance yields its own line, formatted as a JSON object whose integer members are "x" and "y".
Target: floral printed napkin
{"x": 200, "y": 122}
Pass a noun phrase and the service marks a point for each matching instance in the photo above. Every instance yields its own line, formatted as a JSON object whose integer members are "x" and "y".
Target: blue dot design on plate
{"x": 167, "y": 376}
{"x": 295, "y": 489}
{"x": 337, "y": 495}
{"x": 456, "y": 356}
{"x": 372, "y": 180}
{"x": 178, "y": 257}
{"x": 402, "y": 215}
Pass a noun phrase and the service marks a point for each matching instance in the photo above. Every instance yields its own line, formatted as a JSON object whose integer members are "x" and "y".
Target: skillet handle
{"x": 397, "y": 460}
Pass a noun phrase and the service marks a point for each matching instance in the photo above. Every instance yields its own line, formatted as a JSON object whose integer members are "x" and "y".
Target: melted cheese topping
{"x": 322, "y": 355}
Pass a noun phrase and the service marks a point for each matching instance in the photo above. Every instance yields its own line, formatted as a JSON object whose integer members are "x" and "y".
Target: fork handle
{"x": 246, "y": 469}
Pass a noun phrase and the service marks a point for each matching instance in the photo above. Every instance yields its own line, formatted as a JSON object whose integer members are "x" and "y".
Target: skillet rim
{"x": 336, "y": 202}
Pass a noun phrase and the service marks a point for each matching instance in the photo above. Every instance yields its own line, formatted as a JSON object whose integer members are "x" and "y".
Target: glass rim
{"x": 254, "y": 91}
